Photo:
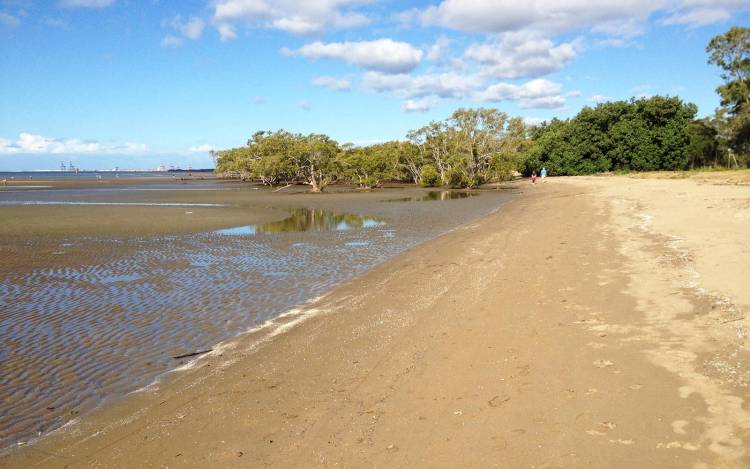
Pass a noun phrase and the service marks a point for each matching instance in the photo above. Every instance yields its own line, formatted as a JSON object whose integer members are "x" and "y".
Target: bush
{"x": 429, "y": 176}
{"x": 457, "y": 179}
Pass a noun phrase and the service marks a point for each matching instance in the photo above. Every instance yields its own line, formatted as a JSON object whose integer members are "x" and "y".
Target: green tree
{"x": 731, "y": 52}
{"x": 638, "y": 135}
{"x": 314, "y": 156}
{"x": 703, "y": 147}
{"x": 369, "y": 166}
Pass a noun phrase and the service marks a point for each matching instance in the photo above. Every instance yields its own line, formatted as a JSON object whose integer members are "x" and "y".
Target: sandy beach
{"x": 590, "y": 322}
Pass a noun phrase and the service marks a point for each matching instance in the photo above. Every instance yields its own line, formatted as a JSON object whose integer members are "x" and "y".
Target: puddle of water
{"x": 132, "y": 204}
{"x": 357, "y": 244}
{"x": 306, "y": 219}
{"x": 435, "y": 195}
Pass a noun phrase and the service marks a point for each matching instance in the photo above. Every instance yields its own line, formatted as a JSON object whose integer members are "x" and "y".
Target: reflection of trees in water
{"x": 446, "y": 195}
{"x": 434, "y": 195}
{"x": 315, "y": 219}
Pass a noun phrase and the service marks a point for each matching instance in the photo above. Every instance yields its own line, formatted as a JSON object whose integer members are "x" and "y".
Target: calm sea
{"x": 47, "y": 175}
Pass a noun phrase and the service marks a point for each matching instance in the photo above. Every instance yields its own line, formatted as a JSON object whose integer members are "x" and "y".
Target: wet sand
{"x": 592, "y": 322}
{"x": 100, "y": 298}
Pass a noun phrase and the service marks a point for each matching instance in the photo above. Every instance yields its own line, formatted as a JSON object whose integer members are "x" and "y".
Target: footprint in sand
{"x": 497, "y": 401}
{"x": 622, "y": 442}
{"x": 596, "y": 345}
{"x": 678, "y": 426}
{"x": 604, "y": 427}
{"x": 635, "y": 387}
{"x": 601, "y": 363}
{"x": 678, "y": 445}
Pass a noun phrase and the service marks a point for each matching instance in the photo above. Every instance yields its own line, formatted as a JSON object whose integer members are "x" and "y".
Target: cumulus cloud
{"x": 418, "y": 105}
{"x": 28, "y": 143}
{"x": 438, "y": 50}
{"x": 86, "y": 3}
{"x": 599, "y": 99}
{"x": 443, "y": 85}
{"x": 535, "y": 94}
{"x": 522, "y": 55}
{"x": 191, "y": 29}
{"x": 226, "y": 32}
{"x": 623, "y": 18}
{"x": 301, "y": 17}
{"x": 333, "y": 83}
{"x": 383, "y": 55}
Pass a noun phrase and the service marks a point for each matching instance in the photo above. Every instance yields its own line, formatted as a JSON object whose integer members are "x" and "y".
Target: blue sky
{"x": 135, "y": 84}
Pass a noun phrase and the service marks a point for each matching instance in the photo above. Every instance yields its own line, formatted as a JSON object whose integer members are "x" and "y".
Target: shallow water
{"x": 125, "y": 204}
{"x": 306, "y": 219}
{"x": 76, "y": 333}
{"x": 435, "y": 195}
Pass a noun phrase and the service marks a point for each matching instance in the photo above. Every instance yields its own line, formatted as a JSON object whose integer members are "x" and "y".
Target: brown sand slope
{"x": 566, "y": 330}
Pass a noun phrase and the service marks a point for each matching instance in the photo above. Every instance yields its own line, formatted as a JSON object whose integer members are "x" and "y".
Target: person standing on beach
{"x": 533, "y": 177}
{"x": 543, "y": 173}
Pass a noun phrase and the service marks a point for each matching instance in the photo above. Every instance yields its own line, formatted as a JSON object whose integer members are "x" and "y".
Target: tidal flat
{"x": 103, "y": 284}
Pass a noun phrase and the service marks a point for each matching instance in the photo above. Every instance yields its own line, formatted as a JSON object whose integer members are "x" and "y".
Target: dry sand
{"x": 592, "y": 322}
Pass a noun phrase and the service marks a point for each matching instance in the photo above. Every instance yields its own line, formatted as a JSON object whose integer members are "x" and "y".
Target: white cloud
{"x": 304, "y": 105}
{"x": 9, "y": 21}
{"x": 86, "y": 3}
{"x": 38, "y": 144}
{"x": 625, "y": 18}
{"x": 522, "y": 55}
{"x": 205, "y": 148}
{"x": 171, "y": 41}
{"x": 419, "y": 105}
{"x": 333, "y": 83}
{"x": 383, "y": 55}
{"x": 599, "y": 99}
{"x": 535, "y": 94}
{"x": 443, "y": 85}
{"x": 302, "y": 17}
{"x": 191, "y": 29}
{"x": 226, "y": 32}
{"x": 698, "y": 17}
{"x": 438, "y": 50}
{"x": 534, "y": 121}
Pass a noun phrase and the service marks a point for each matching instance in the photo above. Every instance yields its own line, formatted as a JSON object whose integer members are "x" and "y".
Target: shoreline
{"x": 268, "y": 328}
{"x": 383, "y": 372}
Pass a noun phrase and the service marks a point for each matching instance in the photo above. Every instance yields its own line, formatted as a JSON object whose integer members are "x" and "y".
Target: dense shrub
{"x": 429, "y": 176}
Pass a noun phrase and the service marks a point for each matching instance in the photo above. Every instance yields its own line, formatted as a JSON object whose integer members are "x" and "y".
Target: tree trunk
{"x": 314, "y": 180}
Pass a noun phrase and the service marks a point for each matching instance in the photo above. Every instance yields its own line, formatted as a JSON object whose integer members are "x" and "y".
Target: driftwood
{"x": 282, "y": 188}
{"x": 186, "y": 355}
{"x": 733, "y": 320}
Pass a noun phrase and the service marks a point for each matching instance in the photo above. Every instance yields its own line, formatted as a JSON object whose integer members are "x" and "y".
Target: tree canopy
{"x": 638, "y": 135}
{"x": 731, "y": 52}
{"x": 475, "y": 146}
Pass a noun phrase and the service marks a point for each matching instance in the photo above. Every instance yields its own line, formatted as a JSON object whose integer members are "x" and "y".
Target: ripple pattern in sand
{"x": 73, "y": 336}
{"x": 76, "y": 334}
